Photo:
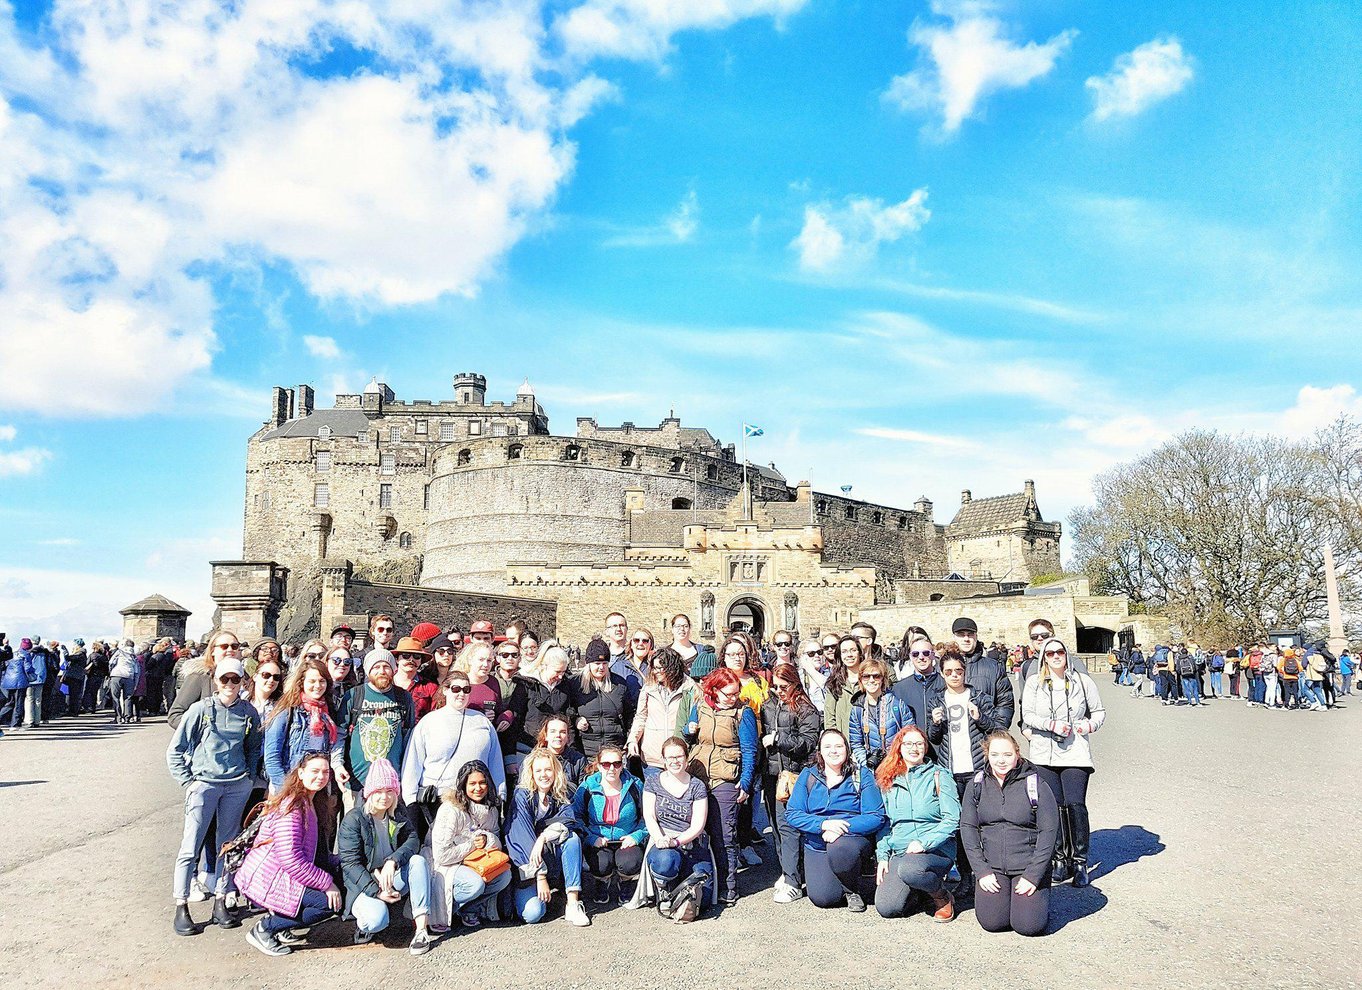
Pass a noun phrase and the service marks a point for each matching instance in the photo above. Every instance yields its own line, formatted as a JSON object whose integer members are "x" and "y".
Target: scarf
{"x": 321, "y": 724}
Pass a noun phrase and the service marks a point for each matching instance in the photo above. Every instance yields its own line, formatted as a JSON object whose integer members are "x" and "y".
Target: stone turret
{"x": 470, "y": 389}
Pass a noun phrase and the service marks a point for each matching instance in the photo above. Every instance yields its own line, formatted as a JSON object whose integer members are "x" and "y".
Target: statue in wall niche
{"x": 707, "y": 614}
{"x": 791, "y": 611}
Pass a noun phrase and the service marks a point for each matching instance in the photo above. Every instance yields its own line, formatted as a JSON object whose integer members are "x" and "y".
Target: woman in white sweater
{"x": 441, "y": 744}
{"x": 467, "y": 824}
{"x": 1061, "y": 707}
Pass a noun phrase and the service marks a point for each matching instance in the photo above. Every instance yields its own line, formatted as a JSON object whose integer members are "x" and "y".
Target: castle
{"x": 466, "y": 497}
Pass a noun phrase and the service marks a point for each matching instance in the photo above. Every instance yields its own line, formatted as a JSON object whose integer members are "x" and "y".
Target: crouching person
{"x": 470, "y": 867}
{"x": 280, "y": 873}
{"x": 543, "y": 841}
{"x": 381, "y": 860}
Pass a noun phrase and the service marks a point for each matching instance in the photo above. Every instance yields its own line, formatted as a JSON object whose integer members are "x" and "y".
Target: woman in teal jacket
{"x": 609, "y": 805}
{"x": 838, "y": 809}
{"x": 917, "y": 846}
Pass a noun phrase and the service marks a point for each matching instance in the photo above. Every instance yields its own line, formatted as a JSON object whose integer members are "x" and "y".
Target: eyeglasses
{"x": 921, "y": 653}
{"x": 1041, "y": 636}
{"x": 1055, "y": 653}
{"x": 459, "y": 688}
{"x": 727, "y": 696}
{"x": 313, "y": 655}
{"x": 616, "y": 625}
{"x": 229, "y": 679}
{"x": 913, "y": 745}
{"x": 611, "y": 764}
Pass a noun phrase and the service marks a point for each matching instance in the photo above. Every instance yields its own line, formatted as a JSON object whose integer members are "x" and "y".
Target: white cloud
{"x": 677, "y": 227}
{"x": 685, "y": 219}
{"x": 963, "y": 62}
{"x": 853, "y": 231}
{"x": 1152, "y": 72}
{"x": 916, "y": 437}
{"x": 22, "y": 462}
{"x": 322, "y": 347}
{"x": 8, "y": 433}
{"x": 643, "y": 28}
{"x": 148, "y": 146}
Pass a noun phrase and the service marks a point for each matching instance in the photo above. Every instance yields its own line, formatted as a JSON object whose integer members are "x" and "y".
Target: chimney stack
{"x": 965, "y": 497}
{"x": 281, "y": 400}
{"x": 307, "y": 399}
{"x": 1030, "y": 488}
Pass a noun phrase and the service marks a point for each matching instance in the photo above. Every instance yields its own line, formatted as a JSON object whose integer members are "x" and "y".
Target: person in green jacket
{"x": 844, "y": 682}
{"x": 917, "y": 846}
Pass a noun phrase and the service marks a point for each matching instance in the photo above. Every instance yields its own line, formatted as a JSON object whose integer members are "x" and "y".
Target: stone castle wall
{"x": 1014, "y": 554}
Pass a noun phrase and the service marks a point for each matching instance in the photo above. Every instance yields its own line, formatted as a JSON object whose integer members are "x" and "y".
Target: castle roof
{"x": 154, "y": 603}
{"x": 343, "y": 422}
{"x": 996, "y": 512}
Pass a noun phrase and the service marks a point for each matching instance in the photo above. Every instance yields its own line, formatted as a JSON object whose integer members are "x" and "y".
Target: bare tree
{"x": 1223, "y": 534}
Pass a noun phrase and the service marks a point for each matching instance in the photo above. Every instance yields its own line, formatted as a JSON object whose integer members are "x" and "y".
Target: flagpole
{"x": 746, "y": 512}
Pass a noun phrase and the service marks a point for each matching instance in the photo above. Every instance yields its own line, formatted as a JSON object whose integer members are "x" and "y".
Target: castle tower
{"x": 470, "y": 389}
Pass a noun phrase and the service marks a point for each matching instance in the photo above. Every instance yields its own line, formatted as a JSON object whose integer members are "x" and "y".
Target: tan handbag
{"x": 785, "y": 785}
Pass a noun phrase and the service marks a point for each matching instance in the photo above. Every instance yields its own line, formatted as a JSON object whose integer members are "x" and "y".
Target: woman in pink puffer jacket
{"x": 279, "y": 873}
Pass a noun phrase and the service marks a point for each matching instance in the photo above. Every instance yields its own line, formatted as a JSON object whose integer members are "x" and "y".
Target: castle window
{"x": 711, "y": 472}
{"x": 266, "y": 503}
{"x": 321, "y": 496}
{"x": 681, "y": 503}
{"x": 822, "y": 507}
{"x": 513, "y": 430}
{"x": 878, "y": 518}
{"x": 903, "y": 522}
{"x": 465, "y": 456}
{"x": 851, "y": 512}
{"x": 572, "y": 453}
{"x": 394, "y": 434}
{"x": 404, "y": 541}
{"x": 421, "y": 427}
{"x": 323, "y": 460}
{"x": 628, "y": 459}
{"x": 385, "y": 496}
{"x": 324, "y": 433}
{"x": 447, "y": 429}
{"x": 255, "y": 502}
{"x": 475, "y": 427}
{"x": 468, "y": 397}
{"x": 677, "y": 465}
{"x": 515, "y": 451}
{"x": 387, "y": 463}
{"x": 425, "y": 497}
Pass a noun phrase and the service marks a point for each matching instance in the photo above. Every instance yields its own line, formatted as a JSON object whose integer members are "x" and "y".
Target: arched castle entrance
{"x": 748, "y": 615}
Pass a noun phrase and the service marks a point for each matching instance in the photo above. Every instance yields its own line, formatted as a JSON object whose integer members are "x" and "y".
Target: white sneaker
{"x": 198, "y": 892}
{"x": 576, "y": 914}
{"x": 751, "y": 857}
{"x": 786, "y": 893}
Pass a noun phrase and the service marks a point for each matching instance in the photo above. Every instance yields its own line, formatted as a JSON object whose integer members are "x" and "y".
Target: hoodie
{"x": 215, "y": 744}
{"x": 1001, "y": 829}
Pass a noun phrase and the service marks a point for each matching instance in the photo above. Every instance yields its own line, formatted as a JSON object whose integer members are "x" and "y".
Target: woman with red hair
{"x": 725, "y": 758}
{"x": 917, "y": 849}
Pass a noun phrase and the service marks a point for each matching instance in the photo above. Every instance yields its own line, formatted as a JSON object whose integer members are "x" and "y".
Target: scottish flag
{"x": 748, "y": 430}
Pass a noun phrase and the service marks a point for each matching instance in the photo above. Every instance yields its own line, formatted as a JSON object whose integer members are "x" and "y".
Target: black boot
{"x": 222, "y": 915}
{"x": 1080, "y": 836}
{"x": 184, "y": 924}
{"x": 1061, "y": 865}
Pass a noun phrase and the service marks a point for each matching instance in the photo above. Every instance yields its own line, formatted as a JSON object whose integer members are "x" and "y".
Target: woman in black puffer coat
{"x": 1009, "y": 822}
{"x": 790, "y": 726}
{"x": 601, "y": 701}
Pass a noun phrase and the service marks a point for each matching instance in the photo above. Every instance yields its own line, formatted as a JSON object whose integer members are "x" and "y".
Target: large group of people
{"x": 487, "y": 775}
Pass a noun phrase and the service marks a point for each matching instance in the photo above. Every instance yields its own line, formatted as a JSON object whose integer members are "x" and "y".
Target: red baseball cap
{"x": 482, "y": 626}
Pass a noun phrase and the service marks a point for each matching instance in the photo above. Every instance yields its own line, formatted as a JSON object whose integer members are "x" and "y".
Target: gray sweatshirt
{"x": 215, "y": 744}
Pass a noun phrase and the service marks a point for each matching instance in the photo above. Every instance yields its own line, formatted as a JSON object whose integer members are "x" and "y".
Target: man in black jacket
{"x": 990, "y": 687}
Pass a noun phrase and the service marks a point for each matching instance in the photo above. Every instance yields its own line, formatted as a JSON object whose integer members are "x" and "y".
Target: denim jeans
{"x": 313, "y": 909}
{"x": 722, "y": 826}
{"x": 670, "y": 865}
{"x": 371, "y": 913}
{"x": 15, "y": 706}
{"x": 1257, "y": 690}
{"x": 122, "y": 688}
{"x": 1217, "y": 683}
{"x": 1190, "y": 690}
{"x": 1314, "y": 692}
{"x": 564, "y": 862}
{"x": 203, "y": 801}
{"x": 33, "y": 705}
{"x": 909, "y": 872}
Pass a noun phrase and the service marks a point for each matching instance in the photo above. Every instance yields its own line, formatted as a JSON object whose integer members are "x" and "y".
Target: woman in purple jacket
{"x": 279, "y": 873}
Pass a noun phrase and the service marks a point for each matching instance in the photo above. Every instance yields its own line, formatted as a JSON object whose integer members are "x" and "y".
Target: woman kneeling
{"x": 465, "y": 849}
{"x": 609, "y": 804}
{"x": 838, "y": 809}
{"x": 918, "y": 847}
{"x": 1009, "y": 823}
{"x": 379, "y": 854}
{"x": 676, "y": 807}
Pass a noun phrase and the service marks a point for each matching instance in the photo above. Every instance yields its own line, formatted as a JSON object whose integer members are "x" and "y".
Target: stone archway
{"x": 748, "y": 614}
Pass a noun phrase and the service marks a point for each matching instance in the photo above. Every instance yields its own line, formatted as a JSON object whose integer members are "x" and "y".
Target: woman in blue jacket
{"x": 838, "y": 808}
{"x": 876, "y": 715}
{"x": 543, "y": 842}
{"x": 609, "y": 804}
{"x": 917, "y": 846}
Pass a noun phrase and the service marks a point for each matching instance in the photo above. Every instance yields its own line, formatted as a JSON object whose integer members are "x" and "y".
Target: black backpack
{"x": 1186, "y": 666}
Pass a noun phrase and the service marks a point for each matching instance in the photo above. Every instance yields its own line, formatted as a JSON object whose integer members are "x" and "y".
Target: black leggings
{"x": 1007, "y": 909}
{"x": 603, "y": 862}
{"x": 834, "y": 872}
{"x": 1068, "y": 784}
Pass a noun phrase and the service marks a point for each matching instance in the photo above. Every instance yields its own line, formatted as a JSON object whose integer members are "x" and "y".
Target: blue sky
{"x": 925, "y": 246}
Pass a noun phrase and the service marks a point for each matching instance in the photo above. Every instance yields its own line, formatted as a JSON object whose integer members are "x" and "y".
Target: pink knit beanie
{"x": 381, "y": 777}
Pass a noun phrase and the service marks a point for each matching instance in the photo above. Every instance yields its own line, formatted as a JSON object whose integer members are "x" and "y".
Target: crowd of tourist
{"x": 486, "y": 776}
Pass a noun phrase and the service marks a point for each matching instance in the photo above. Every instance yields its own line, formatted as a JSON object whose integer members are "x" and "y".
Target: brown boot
{"x": 943, "y": 905}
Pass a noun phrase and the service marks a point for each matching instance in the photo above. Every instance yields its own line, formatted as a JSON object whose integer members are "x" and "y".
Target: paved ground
{"x": 1227, "y": 842}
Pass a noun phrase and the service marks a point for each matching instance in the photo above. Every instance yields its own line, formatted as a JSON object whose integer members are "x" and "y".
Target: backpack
{"x": 1032, "y": 793}
{"x": 1217, "y": 662}
{"x": 233, "y": 852}
{"x": 1186, "y": 666}
{"x": 687, "y": 899}
{"x": 1291, "y": 668}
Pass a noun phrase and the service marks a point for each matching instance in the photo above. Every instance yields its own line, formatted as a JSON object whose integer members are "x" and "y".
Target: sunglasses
{"x": 509, "y": 653}
{"x": 920, "y": 653}
{"x": 813, "y": 652}
{"x": 229, "y": 679}
{"x": 267, "y": 677}
{"x": 341, "y": 661}
{"x": 459, "y": 688}
{"x": 1041, "y": 636}
{"x": 444, "y": 649}
{"x": 872, "y": 677}
{"x": 642, "y": 640}
{"x": 226, "y": 646}
{"x": 313, "y": 655}
{"x": 783, "y": 646}
{"x": 830, "y": 647}
{"x": 1055, "y": 653}
{"x": 611, "y": 764}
